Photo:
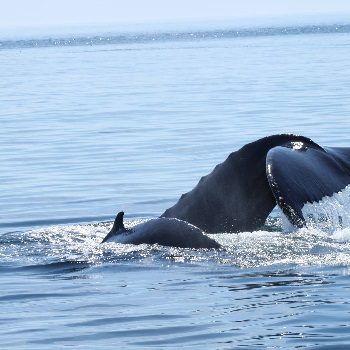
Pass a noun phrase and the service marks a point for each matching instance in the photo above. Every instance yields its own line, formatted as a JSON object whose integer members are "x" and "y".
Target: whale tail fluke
{"x": 291, "y": 171}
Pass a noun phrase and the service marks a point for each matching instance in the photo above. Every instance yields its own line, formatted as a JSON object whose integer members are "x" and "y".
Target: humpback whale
{"x": 164, "y": 231}
{"x": 239, "y": 194}
{"x": 290, "y": 171}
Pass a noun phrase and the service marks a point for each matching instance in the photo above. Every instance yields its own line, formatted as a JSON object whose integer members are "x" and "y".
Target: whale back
{"x": 166, "y": 232}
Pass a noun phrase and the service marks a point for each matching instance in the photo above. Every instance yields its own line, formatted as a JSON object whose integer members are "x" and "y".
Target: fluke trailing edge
{"x": 239, "y": 194}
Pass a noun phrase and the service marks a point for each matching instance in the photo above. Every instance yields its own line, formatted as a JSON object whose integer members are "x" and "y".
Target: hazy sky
{"x": 38, "y": 13}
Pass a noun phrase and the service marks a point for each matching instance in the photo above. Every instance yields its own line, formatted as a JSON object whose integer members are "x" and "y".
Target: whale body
{"x": 163, "y": 231}
{"x": 290, "y": 171}
{"x": 285, "y": 170}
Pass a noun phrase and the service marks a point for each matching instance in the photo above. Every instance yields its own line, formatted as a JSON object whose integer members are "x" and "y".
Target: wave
{"x": 66, "y": 249}
{"x": 143, "y": 38}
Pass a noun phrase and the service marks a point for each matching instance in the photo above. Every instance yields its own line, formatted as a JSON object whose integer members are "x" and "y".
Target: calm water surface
{"x": 128, "y": 122}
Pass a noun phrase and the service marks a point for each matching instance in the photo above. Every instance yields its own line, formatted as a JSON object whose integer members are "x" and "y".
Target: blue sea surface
{"x": 92, "y": 125}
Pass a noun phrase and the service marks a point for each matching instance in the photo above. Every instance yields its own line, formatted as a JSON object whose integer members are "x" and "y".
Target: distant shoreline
{"x": 63, "y": 31}
{"x": 170, "y": 36}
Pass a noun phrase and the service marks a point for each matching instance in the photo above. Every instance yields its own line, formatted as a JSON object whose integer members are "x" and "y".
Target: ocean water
{"x": 92, "y": 125}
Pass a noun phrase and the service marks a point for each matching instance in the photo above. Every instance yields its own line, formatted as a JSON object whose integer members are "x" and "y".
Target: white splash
{"x": 287, "y": 226}
{"x": 330, "y": 213}
{"x": 342, "y": 235}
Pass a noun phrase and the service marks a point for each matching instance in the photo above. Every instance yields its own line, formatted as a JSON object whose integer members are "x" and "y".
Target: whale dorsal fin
{"x": 117, "y": 226}
{"x": 118, "y": 222}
